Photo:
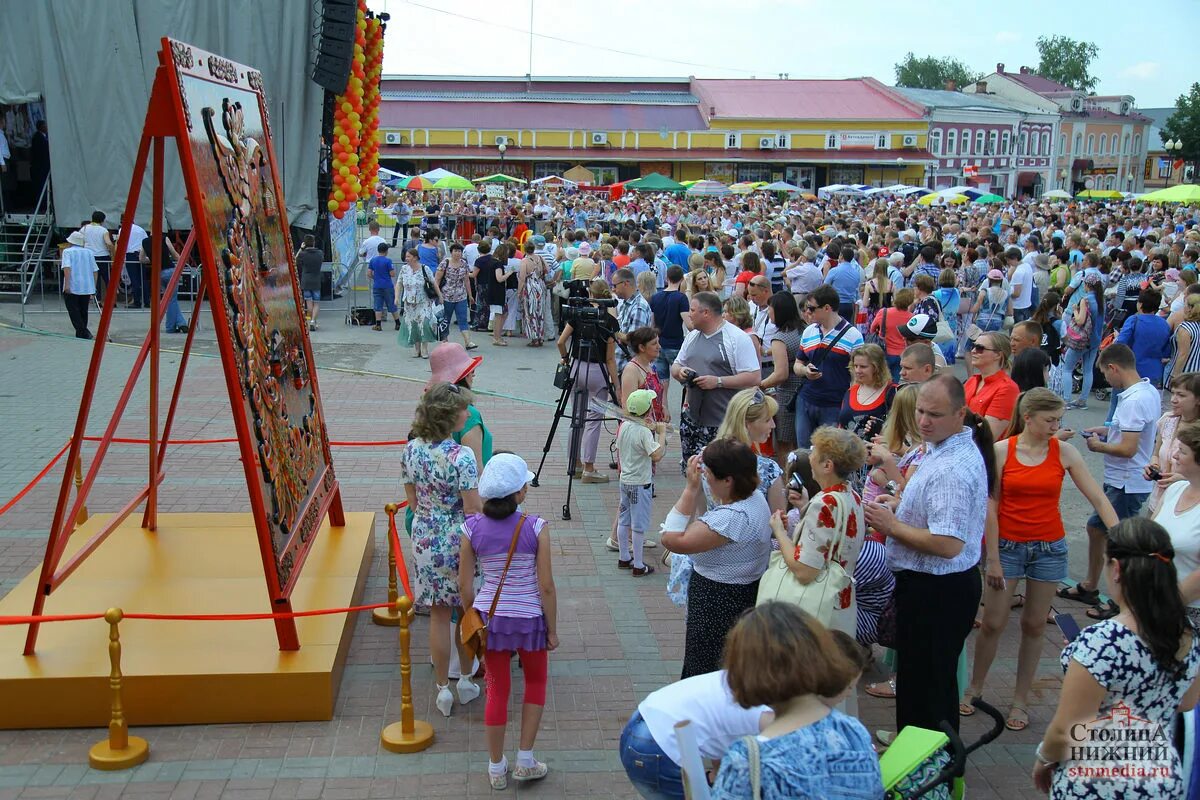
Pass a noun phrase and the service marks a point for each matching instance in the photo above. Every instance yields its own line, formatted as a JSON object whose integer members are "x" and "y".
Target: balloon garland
{"x": 356, "y": 118}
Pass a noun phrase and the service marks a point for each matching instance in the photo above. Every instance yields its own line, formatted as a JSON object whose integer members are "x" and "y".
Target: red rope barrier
{"x": 29, "y": 620}
{"x": 37, "y": 479}
{"x": 401, "y": 566}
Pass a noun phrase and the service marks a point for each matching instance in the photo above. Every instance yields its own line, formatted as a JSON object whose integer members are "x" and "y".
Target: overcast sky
{"x": 1141, "y": 54}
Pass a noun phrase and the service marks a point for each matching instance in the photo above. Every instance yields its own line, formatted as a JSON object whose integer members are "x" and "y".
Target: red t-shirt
{"x": 745, "y": 276}
{"x": 621, "y": 261}
{"x": 994, "y": 396}
{"x": 893, "y": 338}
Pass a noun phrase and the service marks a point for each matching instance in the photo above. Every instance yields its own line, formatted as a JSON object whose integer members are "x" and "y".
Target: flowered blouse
{"x": 821, "y": 530}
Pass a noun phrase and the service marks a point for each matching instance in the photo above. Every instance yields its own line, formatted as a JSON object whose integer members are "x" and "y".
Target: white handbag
{"x": 818, "y": 598}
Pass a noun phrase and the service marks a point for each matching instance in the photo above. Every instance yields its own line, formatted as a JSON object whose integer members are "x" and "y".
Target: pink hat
{"x": 585, "y": 249}
{"x": 450, "y": 363}
{"x": 995, "y": 275}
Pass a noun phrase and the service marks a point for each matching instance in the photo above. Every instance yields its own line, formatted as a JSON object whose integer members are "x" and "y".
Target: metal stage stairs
{"x": 25, "y": 244}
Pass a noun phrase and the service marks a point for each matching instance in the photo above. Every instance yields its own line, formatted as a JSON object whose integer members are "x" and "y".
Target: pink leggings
{"x": 499, "y": 681}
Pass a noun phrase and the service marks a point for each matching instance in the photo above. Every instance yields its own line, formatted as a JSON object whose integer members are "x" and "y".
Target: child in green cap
{"x": 639, "y": 446}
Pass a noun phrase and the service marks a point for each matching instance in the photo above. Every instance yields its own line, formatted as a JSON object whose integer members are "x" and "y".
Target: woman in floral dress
{"x": 417, "y": 328}
{"x": 532, "y": 290}
{"x": 440, "y": 479}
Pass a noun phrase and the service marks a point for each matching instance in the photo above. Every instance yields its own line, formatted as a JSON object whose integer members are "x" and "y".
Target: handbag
{"x": 754, "y": 759}
{"x": 819, "y": 596}
{"x": 562, "y": 376}
{"x": 472, "y": 629}
{"x": 1079, "y": 334}
{"x": 430, "y": 291}
{"x": 944, "y": 332}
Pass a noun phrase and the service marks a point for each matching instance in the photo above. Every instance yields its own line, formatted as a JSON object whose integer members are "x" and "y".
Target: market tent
{"x": 436, "y": 175}
{"x": 654, "y": 182}
{"x": 988, "y": 199}
{"x": 551, "y": 181}
{"x": 499, "y": 178}
{"x": 390, "y": 175}
{"x": 416, "y": 183}
{"x": 1183, "y": 193}
{"x": 941, "y": 197}
{"x": 915, "y": 191}
{"x": 746, "y": 187}
{"x": 580, "y": 174}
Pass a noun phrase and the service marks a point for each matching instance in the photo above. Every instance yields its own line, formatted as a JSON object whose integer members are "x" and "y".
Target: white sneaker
{"x": 445, "y": 700}
{"x": 534, "y": 772}
{"x": 468, "y": 690}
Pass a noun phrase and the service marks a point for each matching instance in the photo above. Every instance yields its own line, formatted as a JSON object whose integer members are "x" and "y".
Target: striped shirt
{"x": 490, "y": 539}
{"x": 831, "y": 387}
{"x": 747, "y": 526}
{"x": 874, "y": 584}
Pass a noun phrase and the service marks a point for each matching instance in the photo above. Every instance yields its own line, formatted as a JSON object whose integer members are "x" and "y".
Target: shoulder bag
{"x": 944, "y": 332}
{"x": 472, "y": 630}
{"x": 754, "y": 760}
{"x": 430, "y": 292}
{"x": 1079, "y": 332}
{"x": 791, "y": 406}
{"x": 820, "y": 596}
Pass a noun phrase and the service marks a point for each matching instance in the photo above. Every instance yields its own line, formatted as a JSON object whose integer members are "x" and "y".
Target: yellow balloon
{"x": 344, "y": 139}
{"x": 352, "y": 159}
{"x": 357, "y": 126}
{"x": 332, "y": 205}
{"x": 343, "y": 171}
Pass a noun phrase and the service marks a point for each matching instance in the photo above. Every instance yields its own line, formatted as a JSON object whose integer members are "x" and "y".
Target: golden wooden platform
{"x": 185, "y": 672}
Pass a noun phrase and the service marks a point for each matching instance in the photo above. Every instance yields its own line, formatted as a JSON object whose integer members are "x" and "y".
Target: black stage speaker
{"x": 335, "y": 45}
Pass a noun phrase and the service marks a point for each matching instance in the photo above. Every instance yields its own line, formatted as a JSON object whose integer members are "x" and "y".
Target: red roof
{"x": 596, "y": 154}
{"x": 1036, "y": 83}
{"x": 534, "y": 115}
{"x": 848, "y": 99}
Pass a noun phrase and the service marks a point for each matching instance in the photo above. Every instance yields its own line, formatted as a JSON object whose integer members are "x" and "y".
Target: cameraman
{"x": 716, "y": 361}
{"x": 587, "y": 377}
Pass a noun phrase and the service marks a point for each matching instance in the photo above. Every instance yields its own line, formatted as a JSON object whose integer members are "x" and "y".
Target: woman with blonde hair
{"x": 877, "y": 292}
{"x": 737, "y": 312}
{"x": 866, "y": 403}
{"x": 991, "y": 392}
{"x": 749, "y": 419}
{"x": 1031, "y": 540}
{"x": 440, "y": 478}
{"x": 646, "y": 284}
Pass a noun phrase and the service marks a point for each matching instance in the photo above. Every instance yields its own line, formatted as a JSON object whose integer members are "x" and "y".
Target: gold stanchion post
{"x": 83, "y": 512}
{"x": 119, "y": 750}
{"x": 408, "y": 735}
{"x": 388, "y": 616}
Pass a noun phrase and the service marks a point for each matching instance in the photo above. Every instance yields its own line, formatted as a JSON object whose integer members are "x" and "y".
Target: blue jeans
{"x": 810, "y": 417}
{"x": 1125, "y": 504}
{"x": 174, "y": 317}
{"x": 459, "y": 310}
{"x": 1070, "y": 359}
{"x": 662, "y": 364}
{"x": 650, "y": 770}
{"x": 893, "y": 363}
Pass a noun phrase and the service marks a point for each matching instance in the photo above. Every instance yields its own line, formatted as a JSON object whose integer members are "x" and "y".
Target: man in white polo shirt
{"x": 1127, "y": 445}
{"x": 139, "y": 292}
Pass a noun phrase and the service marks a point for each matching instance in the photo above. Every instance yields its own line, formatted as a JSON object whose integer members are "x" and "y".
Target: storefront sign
{"x": 859, "y": 140}
{"x": 718, "y": 171}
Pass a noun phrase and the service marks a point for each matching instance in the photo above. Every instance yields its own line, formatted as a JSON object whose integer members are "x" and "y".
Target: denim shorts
{"x": 651, "y": 771}
{"x": 1037, "y": 561}
{"x": 1126, "y": 504}
{"x": 313, "y": 296}
{"x": 385, "y": 299}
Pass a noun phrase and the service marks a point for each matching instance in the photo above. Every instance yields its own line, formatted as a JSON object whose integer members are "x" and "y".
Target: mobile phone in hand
{"x": 1067, "y": 624}
{"x": 1087, "y": 434}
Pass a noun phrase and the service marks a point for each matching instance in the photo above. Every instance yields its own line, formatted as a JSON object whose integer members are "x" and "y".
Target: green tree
{"x": 1067, "y": 61}
{"x": 1184, "y": 124}
{"x": 931, "y": 72}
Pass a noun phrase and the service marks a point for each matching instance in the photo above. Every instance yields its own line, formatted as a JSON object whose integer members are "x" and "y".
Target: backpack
{"x": 1079, "y": 334}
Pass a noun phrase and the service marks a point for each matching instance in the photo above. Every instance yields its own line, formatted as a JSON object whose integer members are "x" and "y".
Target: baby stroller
{"x": 917, "y": 764}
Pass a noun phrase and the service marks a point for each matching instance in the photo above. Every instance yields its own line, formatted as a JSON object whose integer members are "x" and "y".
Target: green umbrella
{"x": 1182, "y": 193}
{"x": 989, "y": 199}
{"x": 499, "y": 178}
{"x": 655, "y": 182}
{"x": 453, "y": 183}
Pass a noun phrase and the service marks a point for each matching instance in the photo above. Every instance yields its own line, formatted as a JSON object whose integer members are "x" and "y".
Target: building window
{"x": 1024, "y": 143}
{"x": 1091, "y": 144}
{"x": 1103, "y": 145}
{"x": 831, "y": 142}
{"x": 732, "y": 140}
{"x": 935, "y": 142}
{"x": 1005, "y": 144}
{"x": 1035, "y": 144}
{"x": 951, "y": 142}
{"x": 993, "y": 138}
{"x": 1078, "y": 144}
{"x": 966, "y": 142}
{"x": 881, "y": 142}
{"x": 979, "y": 137}
{"x": 781, "y": 141}
{"x": 1046, "y": 142}
{"x": 1137, "y": 143}
{"x": 1164, "y": 167}
{"x": 1062, "y": 143}
{"x": 1125, "y": 145}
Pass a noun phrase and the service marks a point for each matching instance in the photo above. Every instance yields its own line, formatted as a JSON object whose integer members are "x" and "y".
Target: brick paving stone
{"x": 620, "y": 639}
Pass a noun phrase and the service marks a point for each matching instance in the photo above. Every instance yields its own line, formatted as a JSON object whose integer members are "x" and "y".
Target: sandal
{"x": 884, "y": 689}
{"x": 1015, "y": 723}
{"x": 1089, "y": 597}
{"x": 965, "y": 708}
{"x": 1106, "y": 610}
{"x": 646, "y": 570}
{"x": 1018, "y": 601}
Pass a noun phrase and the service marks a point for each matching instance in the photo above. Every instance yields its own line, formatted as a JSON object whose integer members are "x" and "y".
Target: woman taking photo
{"x": 439, "y": 478}
{"x": 588, "y": 374}
{"x": 639, "y": 372}
{"x": 1144, "y": 660}
{"x": 990, "y": 392}
{"x": 833, "y": 526}
{"x": 526, "y": 612}
{"x": 785, "y": 345}
{"x": 1032, "y": 541}
{"x": 728, "y": 546}
{"x": 749, "y": 419}
{"x": 531, "y": 288}
{"x": 1179, "y": 514}
{"x": 809, "y": 749}
{"x": 1184, "y": 408}
{"x": 412, "y": 282}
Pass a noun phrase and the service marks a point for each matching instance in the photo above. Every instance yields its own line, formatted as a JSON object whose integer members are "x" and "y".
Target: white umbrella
{"x": 779, "y": 186}
{"x": 1057, "y": 194}
{"x": 436, "y": 175}
{"x": 708, "y": 188}
{"x": 914, "y": 191}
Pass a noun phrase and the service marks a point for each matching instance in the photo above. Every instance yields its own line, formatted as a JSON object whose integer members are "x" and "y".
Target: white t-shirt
{"x": 1184, "y": 529}
{"x": 635, "y": 444}
{"x": 370, "y": 247}
{"x": 737, "y": 344}
{"x": 137, "y": 235}
{"x": 471, "y": 253}
{"x": 705, "y": 700}
{"x": 1023, "y": 277}
{"x": 93, "y": 239}
{"x": 1138, "y": 410}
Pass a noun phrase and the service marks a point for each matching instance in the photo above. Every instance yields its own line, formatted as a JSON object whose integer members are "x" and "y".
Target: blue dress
{"x": 831, "y": 759}
{"x": 1138, "y": 711}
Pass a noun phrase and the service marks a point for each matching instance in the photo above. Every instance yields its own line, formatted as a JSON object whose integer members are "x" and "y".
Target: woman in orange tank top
{"x": 1026, "y": 539}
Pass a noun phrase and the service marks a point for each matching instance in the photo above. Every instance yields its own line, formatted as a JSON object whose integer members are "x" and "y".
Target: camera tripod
{"x": 575, "y": 389}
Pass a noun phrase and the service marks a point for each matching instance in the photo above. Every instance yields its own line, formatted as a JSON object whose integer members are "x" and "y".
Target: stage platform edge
{"x": 185, "y": 672}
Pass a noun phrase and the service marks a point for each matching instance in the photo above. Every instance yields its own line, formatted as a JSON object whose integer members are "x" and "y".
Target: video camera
{"x": 590, "y": 321}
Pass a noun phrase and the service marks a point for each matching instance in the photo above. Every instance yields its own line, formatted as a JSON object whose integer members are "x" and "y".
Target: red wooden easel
{"x": 166, "y": 118}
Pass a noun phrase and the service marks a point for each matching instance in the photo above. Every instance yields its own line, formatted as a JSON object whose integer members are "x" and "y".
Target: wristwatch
{"x": 720, "y": 382}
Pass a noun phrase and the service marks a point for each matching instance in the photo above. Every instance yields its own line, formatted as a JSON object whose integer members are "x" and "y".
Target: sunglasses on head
{"x": 759, "y": 398}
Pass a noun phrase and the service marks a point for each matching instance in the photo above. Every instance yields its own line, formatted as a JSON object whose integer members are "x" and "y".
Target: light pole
{"x": 502, "y": 147}
{"x": 899, "y": 169}
{"x": 1172, "y": 146}
{"x": 1062, "y": 177}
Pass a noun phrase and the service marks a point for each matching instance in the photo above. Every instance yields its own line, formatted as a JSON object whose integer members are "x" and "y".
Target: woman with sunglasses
{"x": 991, "y": 392}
